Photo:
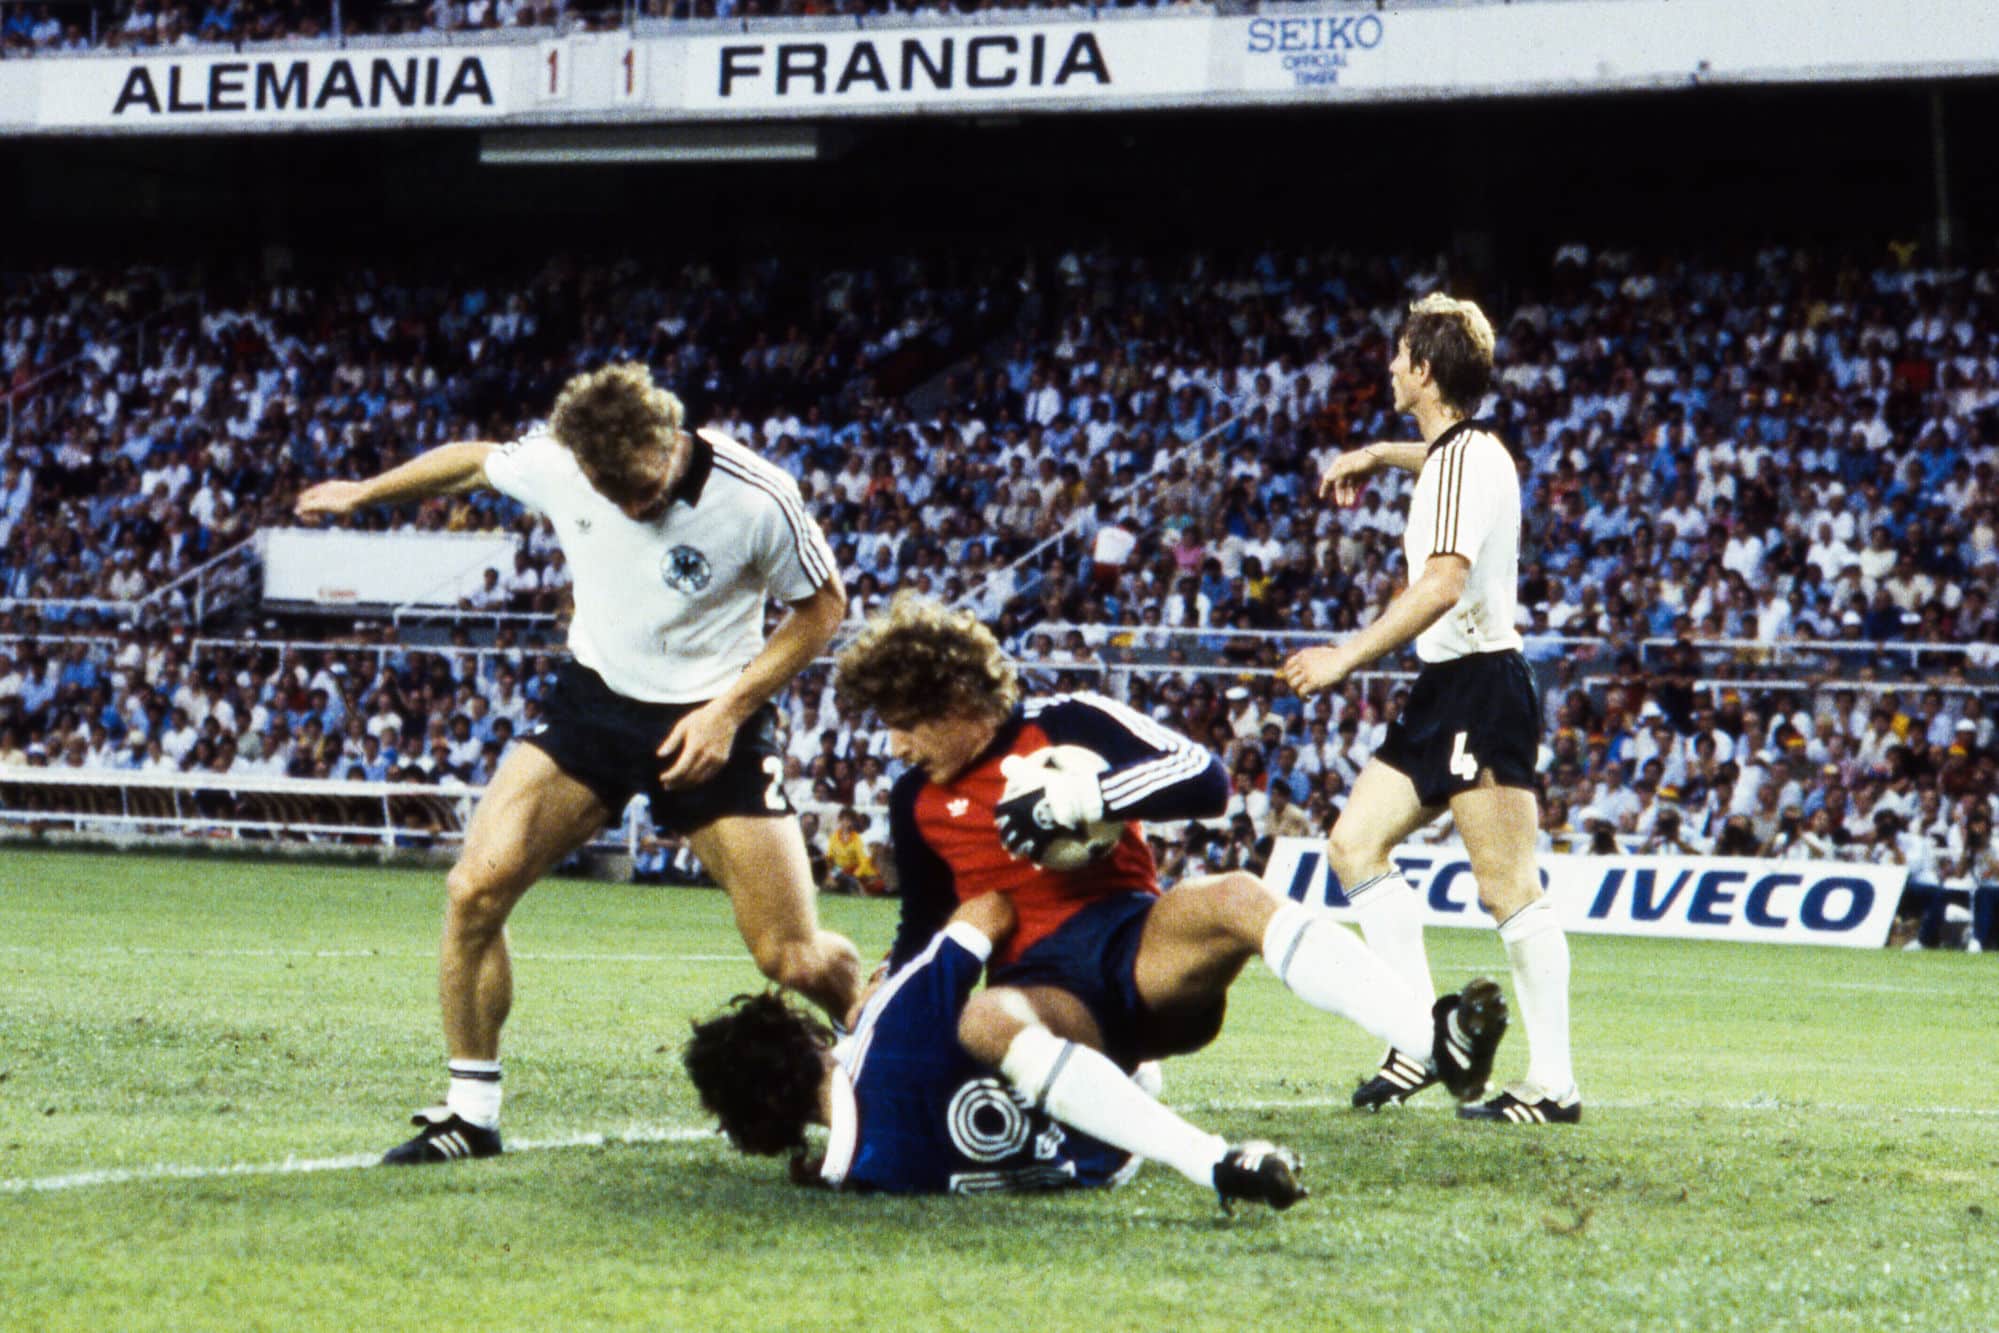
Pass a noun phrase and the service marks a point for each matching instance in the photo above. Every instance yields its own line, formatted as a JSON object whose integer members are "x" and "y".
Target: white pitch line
{"x": 639, "y": 1134}
{"x": 1594, "y": 1104}
{"x": 306, "y": 1165}
{"x": 149, "y": 951}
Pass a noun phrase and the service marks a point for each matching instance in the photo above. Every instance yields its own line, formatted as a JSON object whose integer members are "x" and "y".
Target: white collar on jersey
{"x": 846, "y": 1131}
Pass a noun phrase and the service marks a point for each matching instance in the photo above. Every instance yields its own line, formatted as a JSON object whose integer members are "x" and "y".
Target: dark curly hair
{"x": 758, "y": 1065}
{"x": 923, "y": 661}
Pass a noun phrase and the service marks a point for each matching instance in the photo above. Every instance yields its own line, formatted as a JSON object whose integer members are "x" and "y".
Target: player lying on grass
{"x": 909, "y": 1112}
{"x": 1100, "y": 960}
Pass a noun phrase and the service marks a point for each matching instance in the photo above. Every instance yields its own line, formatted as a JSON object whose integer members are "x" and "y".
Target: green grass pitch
{"x": 1775, "y": 1137}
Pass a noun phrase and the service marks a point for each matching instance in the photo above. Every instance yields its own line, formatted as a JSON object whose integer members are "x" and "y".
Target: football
{"x": 1049, "y": 844}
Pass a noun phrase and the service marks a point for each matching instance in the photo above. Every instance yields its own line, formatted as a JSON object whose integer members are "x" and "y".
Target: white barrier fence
{"x": 116, "y": 802}
{"x": 1674, "y": 897}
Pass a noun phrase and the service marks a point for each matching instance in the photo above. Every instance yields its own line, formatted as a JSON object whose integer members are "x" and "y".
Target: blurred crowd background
{"x": 1758, "y": 578}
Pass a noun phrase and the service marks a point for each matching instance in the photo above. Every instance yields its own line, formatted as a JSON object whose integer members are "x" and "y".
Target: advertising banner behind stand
{"x": 998, "y": 62}
{"x": 940, "y": 68}
{"x": 1677, "y": 897}
{"x": 281, "y": 89}
{"x": 340, "y": 568}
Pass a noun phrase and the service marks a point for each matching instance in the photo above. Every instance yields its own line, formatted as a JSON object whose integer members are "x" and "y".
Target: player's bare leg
{"x": 531, "y": 817}
{"x": 1044, "y": 1041}
{"x": 1199, "y": 936}
{"x": 1498, "y": 825}
{"x": 760, "y": 861}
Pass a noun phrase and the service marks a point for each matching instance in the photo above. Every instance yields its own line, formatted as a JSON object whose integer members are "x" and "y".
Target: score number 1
{"x": 631, "y": 74}
{"x": 627, "y": 74}
{"x": 553, "y": 85}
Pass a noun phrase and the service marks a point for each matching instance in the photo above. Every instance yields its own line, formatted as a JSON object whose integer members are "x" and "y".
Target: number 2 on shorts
{"x": 774, "y": 793}
{"x": 1462, "y": 763}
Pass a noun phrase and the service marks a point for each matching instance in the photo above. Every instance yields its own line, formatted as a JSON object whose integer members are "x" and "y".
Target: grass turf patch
{"x": 1774, "y": 1136}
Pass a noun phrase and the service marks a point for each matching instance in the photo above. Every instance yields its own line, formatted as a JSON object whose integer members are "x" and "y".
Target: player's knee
{"x": 1503, "y": 894}
{"x": 478, "y": 900}
{"x": 1241, "y": 898}
{"x": 987, "y": 1028}
{"x": 1353, "y": 849}
{"x": 792, "y": 964}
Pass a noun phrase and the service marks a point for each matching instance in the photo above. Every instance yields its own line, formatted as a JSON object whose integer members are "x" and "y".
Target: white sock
{"x": 1391, "y": 920}
{"x": 475, "y": 1092}
{"x": 1328, "y": 968}
{"x": 1539, "y": 951}
{"x": 1082, "y": 1088}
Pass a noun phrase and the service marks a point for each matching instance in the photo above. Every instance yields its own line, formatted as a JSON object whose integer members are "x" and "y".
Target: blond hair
{"x": 921, "y": 662}
{"x": 1454, "y": 339}
{"x": 617, "y": 422}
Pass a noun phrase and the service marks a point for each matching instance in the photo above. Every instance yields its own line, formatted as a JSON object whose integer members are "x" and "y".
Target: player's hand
{"x": 1343, "y": 479}
{"x": 1029, "y": 819}
{"x": 874, "y": 982}
{"x": 1074, "y": 799}
{"x": 330, "y": 499}
{"x": 1315, "y": 669}
{"x": 698, "y": 746}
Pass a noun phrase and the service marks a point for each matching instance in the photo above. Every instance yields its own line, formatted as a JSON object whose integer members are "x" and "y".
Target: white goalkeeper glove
{"x": 1073, "y": 800}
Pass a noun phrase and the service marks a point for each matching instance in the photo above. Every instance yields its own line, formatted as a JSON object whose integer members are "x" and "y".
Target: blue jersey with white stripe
{"x": 916, "y": 1115}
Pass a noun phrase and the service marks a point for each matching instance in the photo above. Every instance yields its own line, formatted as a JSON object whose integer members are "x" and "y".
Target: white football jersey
{"x": 671, "y": 610}
{"x": 1467, "y": 502}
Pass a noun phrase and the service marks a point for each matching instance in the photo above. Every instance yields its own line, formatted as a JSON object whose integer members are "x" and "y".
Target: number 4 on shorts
{"x": 1462, "y": 764}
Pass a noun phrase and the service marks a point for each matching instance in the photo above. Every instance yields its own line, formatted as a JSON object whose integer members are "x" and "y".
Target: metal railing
{"x": 1061, "y": 535}
{"x": 218, "y": 584}
{"x": 15, "y": 396}
{"x": 132, "y": 803}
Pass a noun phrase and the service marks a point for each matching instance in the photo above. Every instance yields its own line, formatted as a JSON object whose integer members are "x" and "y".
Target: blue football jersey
{"x": 916, "y": 1115}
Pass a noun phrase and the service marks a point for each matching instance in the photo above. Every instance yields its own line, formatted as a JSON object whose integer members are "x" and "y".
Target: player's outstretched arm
{"x": 445, "y": 470}
{"x": 698, "y": 745}
{"x": 1155, "y": 773}
{"x": 1344, "y": 477}
{"x": 1419, "y": 606}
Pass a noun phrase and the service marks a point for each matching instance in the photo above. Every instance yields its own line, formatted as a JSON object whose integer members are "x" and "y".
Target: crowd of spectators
{"x": 156, "y": 420}
{"x": 64, "y": 27}
{"x": 1745, "y": 454}
{"x": 1647, "y": 762}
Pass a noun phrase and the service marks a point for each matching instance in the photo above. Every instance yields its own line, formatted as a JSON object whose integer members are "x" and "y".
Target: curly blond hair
{"x": 922, "y": 661}
{"x": 1453, "y": 338}
{"x": 618, "y": 423}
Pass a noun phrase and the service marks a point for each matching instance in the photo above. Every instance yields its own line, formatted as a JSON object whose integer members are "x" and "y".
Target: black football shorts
{"x": 610, "y": 744}
{"x": 1465, "y": 717}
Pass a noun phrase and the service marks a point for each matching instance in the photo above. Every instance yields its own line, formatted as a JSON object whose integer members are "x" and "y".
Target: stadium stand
{"x": 1761, "y": 552}
{"x": 63, "y": 27}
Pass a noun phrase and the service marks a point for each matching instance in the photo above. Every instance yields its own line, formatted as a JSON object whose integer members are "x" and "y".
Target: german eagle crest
{"x": 685, "y": 570}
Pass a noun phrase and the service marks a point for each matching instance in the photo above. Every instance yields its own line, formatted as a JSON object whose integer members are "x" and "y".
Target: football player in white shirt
{"x": 676, "y": 541}
{"x": 1469, "y": 738}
